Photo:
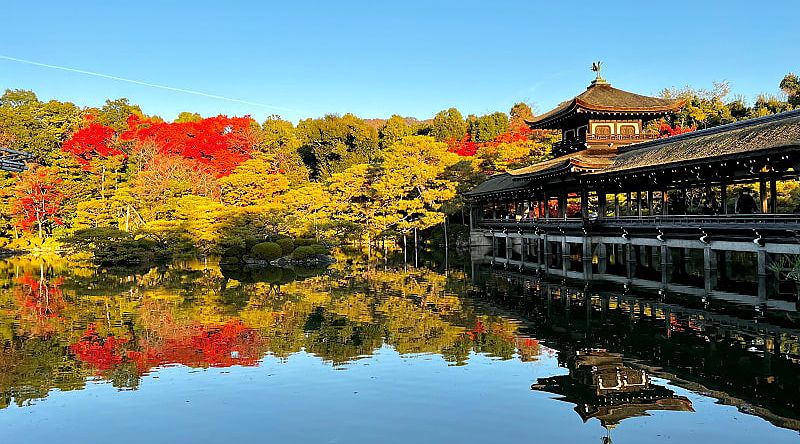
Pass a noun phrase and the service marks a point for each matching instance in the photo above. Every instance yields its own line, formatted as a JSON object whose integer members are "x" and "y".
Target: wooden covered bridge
{"x": 621, "y": 203}
{"x": 13, "y": 160}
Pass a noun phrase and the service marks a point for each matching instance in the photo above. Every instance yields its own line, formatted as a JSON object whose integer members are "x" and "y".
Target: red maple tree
{"x": 666, "y": 130}
{"x": 36, "y": 199}
{"x": 91, "y": 141}
{"x": 219, "y": 143}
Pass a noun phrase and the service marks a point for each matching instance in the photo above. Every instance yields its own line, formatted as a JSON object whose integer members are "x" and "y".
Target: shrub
{"x": 267, "y": 251}
{"x": 303, "y": 253}
{"x": 319, "y": 249}
{"x": 287, "y": 245}
{"x": 304, "y": 242}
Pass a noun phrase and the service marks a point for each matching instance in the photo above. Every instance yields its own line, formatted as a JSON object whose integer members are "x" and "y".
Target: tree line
{"x": 219, "y": 185}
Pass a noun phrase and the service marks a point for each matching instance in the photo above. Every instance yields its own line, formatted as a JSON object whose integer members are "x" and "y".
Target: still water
{"x": 354, "y": 354}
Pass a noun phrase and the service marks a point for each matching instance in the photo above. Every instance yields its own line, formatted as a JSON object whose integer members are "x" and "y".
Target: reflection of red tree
{"x": 207, "y": 346}
{"x": 224, "y": 345}
{"x": 100, "y": 353}
{"x": 40, "y": 297}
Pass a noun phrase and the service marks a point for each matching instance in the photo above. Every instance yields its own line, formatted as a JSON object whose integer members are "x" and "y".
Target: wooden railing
{"x": 659, "y": 220}
{"x": 625, "y": 138}
{"x": 621, "y": 137}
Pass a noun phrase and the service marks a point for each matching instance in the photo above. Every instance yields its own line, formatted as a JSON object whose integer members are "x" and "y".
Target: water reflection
{"x": 601, "y": 386}
{"x": 64, "y": 325}
{"x": 745, "y": 362}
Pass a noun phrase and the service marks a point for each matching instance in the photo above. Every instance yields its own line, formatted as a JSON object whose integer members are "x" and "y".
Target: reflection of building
{"x": 602, "y": 387}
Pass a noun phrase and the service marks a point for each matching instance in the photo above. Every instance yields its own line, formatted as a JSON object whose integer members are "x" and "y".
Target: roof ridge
{"x": 713, "y": 130}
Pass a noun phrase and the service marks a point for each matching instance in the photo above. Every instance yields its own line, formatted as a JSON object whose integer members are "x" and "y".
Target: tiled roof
{"x": 722, "y": 141}
{"x": 502, "y": 182}
{"x": 602, "y": 97}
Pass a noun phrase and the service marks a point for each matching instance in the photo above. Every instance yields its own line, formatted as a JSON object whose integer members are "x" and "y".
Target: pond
{"x": 192, "y": 352}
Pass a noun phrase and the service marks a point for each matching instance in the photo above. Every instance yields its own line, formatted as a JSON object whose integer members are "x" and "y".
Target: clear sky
{"x": 378, "y": 58}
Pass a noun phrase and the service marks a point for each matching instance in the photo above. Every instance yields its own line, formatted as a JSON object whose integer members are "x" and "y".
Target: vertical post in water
{"x": 446, "y": 245}
{"x": 709, "y": 269}
{"x": 416, "y": 249}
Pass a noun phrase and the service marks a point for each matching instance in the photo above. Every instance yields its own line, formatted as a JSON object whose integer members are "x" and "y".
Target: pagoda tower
{"x": 603, "y": 118}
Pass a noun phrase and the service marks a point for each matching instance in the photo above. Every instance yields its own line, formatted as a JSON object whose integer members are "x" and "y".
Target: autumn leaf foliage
{"x": 94, "y": 140}
{"x": 37, "y": 199}
{"x": 219, "y": 143}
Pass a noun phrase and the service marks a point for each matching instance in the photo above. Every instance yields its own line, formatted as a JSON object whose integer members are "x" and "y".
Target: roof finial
{"x": 599, "y": 80}
{"x": 596, "y": 68}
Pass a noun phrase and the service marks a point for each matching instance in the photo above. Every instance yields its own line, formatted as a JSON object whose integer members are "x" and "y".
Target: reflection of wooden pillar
{"x": 565, "y": 259}
{"x": 773, "y": 196}
{"x": 762, "y": 193}
{"x": 762, "y": 275}
{"x": 544, "y": 250}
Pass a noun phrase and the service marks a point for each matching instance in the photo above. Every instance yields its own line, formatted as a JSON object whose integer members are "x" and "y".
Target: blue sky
{"x": 376, "y": 58}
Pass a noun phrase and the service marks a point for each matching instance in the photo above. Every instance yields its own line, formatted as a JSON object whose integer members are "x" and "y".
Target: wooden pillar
{"x": 602, "y": 258}
{"x": 630, "y": 260}
{"x": 544, "y": 250}
{"x": 762, "y": 193}
{"x": 664, "y": 202}
{"x": 546, "y": 206}
{"x": 724, "y": 197}
{"x": 562, "y": 205}
{"x": 773, "y": 196}
{"x": 762, "y": 275}
{"x": 587, "y": 257}
{"x": 709, "y": 269}
{"x": 616, "y": 205}
{"x": 584, "y": 203}
{"x": 601, "y": 203}
{"x": 638, "y": 204}
{"x": 649, "y": 203}
{"x": 628, "y": 204}
{"x": 666, "y": 262}
{"x": 683, "y": 199}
